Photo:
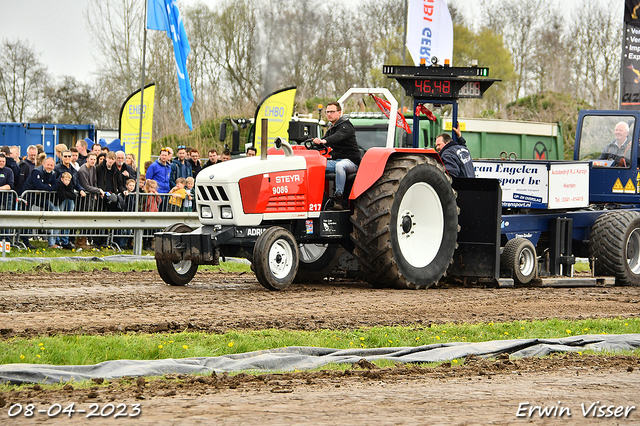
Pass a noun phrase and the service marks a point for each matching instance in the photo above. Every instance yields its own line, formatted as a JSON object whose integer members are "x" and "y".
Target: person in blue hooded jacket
{"x": 160, "y": 170}
{"x": 455, "y": 155}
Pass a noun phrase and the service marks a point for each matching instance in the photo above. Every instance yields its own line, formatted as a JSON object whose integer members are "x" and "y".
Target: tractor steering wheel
{"x": 322, "y": 148}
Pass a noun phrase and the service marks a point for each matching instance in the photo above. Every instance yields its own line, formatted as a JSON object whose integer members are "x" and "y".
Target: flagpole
{"x": 404, "y": 51}
{"x": 137, "y": 247}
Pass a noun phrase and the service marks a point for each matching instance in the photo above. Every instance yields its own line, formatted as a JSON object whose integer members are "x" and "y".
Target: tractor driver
{"x": 618, "y": 150}
{"x": 345, "y": 154}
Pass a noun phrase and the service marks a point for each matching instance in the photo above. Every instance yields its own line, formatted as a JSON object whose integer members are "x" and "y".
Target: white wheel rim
{"x": 633, "y": 251}
{"x": 527, "y": 262}
{"x": 182, "y": 267}
{"x": 280, "y": 259}
{"x": 421, "y": 207}
{"x": 309, "y": 253}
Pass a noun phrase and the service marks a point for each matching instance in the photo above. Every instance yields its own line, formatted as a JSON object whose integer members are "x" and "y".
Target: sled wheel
{"x": 178, "y": 273}
{"x": 275, "y": 258}
{"x": 615, "y": 244}
{"x": 519, "y": 255}
{"x": 406, "y": 225}
{"x": 316, "y": 262}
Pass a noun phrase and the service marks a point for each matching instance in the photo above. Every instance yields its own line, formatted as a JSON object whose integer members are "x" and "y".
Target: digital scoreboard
{"x": 438, "y": 82}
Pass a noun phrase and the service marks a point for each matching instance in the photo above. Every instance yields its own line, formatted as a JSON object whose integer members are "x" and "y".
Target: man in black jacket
{"x": 26, "y": 167}
{"x": 345, "y": 154}
{"x": 455, "y": 155}
{"x": 109, "y": 179}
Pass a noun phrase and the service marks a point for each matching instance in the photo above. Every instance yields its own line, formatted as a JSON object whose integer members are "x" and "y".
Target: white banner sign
{"x": 568, "y": 185}
{"x": 523, "y": 184}
{"x": 429, "y": 31}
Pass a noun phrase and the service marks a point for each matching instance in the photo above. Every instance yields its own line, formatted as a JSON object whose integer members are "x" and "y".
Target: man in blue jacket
{"x": 455, "y": 155}
{"x": 160, "y": 170}
{"x": 43, "y": 179}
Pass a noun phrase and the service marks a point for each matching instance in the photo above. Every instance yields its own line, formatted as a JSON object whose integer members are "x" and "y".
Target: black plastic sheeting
{"x": 305, "y": 358}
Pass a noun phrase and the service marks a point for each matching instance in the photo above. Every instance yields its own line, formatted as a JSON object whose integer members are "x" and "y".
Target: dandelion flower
{"x": 40, "y": 344}
{"x": 506, "y": 333}
{"x": 568, "y": 331}
{"x": 42, "y": 348}
{"x": 437, "y": 337}
{"x": 521, "y": 328}
{"x": 230, "y": 344}
{"x": 418, "y": 338}
{"x": 455, "y": 361}
{"x": 490, "y": 323}
{"x": 390, "y": 341}
{"x": 626, "y": 323}
{"x": 185, "y": 347}
{"x": 38, "y": 356}
{"x": 21, "y": 356}
{"x": 159, "y": 346}
{"x": 362, "y": 338}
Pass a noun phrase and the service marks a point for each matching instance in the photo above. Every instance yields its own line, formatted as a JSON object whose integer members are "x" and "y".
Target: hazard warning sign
{"x": 617, "y": 187}
{"x": 629, "y": 188}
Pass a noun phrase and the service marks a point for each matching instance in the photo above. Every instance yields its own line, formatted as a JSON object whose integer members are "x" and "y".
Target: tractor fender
{"x": 373, "y": 163}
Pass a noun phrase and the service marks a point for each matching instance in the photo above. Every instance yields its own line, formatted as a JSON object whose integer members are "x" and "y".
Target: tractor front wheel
{"x": 275, "y": 258}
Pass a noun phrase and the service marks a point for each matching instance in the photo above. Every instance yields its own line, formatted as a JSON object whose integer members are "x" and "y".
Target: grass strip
{"x": 85, "y": 350}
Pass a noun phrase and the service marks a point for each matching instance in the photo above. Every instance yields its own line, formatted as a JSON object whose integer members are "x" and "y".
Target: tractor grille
{"x": 283, "y": 203}
{"x": 212, "y": 193}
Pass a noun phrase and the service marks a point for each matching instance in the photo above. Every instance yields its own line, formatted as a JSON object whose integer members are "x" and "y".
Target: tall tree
{"x": 22, "y": 78}
{"x": 518, "y": 22}
{"x": 116, "y": 28}
{"x": 596, "y": 34}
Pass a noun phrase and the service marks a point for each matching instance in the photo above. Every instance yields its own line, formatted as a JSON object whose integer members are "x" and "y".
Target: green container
{"x": 485, "y": 138}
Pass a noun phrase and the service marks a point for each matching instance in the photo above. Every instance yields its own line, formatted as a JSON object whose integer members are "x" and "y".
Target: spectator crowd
{"x": 79, "y": 179}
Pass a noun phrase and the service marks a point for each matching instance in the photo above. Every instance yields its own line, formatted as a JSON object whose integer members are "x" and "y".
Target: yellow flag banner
{"x": 278, "y": 109}
{"x": 130, "y": 123}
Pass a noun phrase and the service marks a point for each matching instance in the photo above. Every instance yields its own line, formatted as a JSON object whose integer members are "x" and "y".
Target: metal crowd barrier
{"x": 9, "y": 202}
{"x": 89, "y": 219}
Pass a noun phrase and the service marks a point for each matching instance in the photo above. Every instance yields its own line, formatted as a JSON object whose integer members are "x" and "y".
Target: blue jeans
{"x": 341, "y": 168}
{"x": 53, "y": 237}
{"x": 65, "y": 206}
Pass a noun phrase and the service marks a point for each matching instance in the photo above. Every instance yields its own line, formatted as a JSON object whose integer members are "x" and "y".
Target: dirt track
{"x": 482, "y": 392}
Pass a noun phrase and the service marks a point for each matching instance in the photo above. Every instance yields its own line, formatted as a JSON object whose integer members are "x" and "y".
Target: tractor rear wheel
{"x": 178, "y": 273}
{"x": 316, "y": 262}
{"x": 615, "y": 244}
{"x": 275, "y": 258}
{"x": 519, "y": 255}
{"x": 405, "y": 226}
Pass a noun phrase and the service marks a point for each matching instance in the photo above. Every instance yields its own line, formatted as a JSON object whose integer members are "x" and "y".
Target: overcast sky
{"x": 58, "y": 30}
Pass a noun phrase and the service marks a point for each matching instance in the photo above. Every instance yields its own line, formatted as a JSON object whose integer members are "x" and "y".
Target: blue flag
{"x": 163, "y": 15}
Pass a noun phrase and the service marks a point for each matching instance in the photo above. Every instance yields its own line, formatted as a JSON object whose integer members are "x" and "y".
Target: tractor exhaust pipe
{"x": 265, "y": 139}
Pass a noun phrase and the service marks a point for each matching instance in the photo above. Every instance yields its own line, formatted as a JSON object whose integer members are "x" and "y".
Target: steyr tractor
{"x": 408, "y": 222}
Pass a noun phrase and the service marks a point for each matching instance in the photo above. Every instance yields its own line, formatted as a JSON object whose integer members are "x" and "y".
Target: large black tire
{"x": 179, "y": 273}
{"x": 316, "y": 262}
{"x": 405, "y": 226}
{"x": 519, "y": 255}
{"x": 275, "y": 258}
{"x": 615, "y": 244}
